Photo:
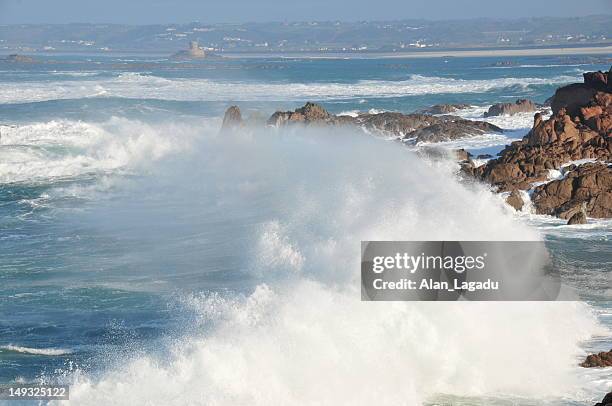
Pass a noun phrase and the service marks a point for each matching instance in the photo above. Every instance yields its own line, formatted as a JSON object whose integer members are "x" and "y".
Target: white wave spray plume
{"x": 302, "y": 336}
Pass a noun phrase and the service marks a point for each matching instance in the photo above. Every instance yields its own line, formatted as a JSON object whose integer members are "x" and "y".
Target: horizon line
{"x": 426, "y": 20}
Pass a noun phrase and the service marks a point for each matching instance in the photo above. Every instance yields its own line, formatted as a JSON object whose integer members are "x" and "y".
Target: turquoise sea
{"x": 148, "y": 259}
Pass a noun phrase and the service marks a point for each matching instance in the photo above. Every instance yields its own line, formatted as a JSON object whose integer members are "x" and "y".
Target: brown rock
{"x": 580, "y": 128}
{"x": 505, "y": 172}
{"x": 588, "y": 186}
{"x": 413, "y": 127}
{"x": 310, "y": 113}
{"x": 519, "y": 106}
{"x": 462, "y": 154}
{"x": 515, "y": 200}
{"x": 313, "y": 112}
{"x": 603, "y": 359}
{"x": 443, "y": 108}
{"x": 578, "y": 218}
{"x": 598, "y": 80}
{"x": 572, "y": 97}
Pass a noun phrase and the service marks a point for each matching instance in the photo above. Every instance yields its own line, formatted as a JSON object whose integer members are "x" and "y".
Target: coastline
{"x": 465, "y": 53}
{"x": 450, "y": 53}
{"x": 154, "y": 162}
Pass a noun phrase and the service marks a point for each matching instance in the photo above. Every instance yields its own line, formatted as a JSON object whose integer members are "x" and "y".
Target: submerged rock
{"x": 519, "y": 106}
{"x": 603, "y": 359}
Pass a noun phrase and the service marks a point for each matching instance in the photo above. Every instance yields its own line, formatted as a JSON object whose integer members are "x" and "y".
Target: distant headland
{"x": 558, "y": 35}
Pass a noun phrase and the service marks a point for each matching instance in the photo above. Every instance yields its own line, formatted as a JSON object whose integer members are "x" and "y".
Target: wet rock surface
{"x": 515, "y": 200}
{"x": 416, "y": 127}
{"x": 443, "y": 108}
{"x": 578, "y": 218}
{"x": 587, "y": 188}
{"x": 603, "y": 359}
{"x": 579, "y": 129}
{"x": 519, "y": 106}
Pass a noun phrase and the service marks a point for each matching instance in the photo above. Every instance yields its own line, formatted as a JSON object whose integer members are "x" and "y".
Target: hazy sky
{"x": 179, "y": 11}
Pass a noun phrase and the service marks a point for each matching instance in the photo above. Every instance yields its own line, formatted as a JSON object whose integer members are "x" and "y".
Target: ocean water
{"x": 148, "y": 259}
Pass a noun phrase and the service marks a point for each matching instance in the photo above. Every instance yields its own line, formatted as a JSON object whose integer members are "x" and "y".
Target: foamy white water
{"x": 63, "y": 148}
{"x": 36, "y": 351}
{"x": 143, "y": 86}
{"x": 303, "y": 336}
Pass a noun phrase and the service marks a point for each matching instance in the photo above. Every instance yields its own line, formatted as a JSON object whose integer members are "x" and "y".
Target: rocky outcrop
{"x": 311, "y": 113}
{"x": 580, "y": 128}
{"x": 607, "y": 400}
{"x": 515, "y": 200}
{"x": 603, "y": 359}
{"x": 462, "y": 155}
{"x": 413, "y": 127}
{"x": 232, "y": 119}
{"x": 519, "y": 106}
{"x": 587, "y": 188}
{"x": 575, "y": 96}
{"x": 578, "y": 218}
{"x": 449, "y": 128}
{"x": 443, "y": 108}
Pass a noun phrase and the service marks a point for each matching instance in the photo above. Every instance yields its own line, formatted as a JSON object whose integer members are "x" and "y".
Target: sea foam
{"x": 303, "y": 337}
{"x": 146, "y": 86}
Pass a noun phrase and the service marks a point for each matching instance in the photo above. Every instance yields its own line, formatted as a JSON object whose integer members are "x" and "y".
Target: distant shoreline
{"x": 458, "y": 53}
{"x": 589, "y": 50}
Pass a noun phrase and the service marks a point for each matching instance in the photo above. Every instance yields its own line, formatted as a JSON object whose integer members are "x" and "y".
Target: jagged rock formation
{"x": 443, "y": 108}
{"x": 414, "y": 127}
{"x": 575, "y": 96}
{"x": 578, "y": 218}
{"x": 580, "y": 128}
{"x": 462, "y": 155}
{"x": 232, "y": 119}
{"x": 519, "y": 106}
{"x": 515, "y": 200}
{"x": 603, "y": 359}
{"x": 311, "y": 113}
{"x": 587, "y": 188}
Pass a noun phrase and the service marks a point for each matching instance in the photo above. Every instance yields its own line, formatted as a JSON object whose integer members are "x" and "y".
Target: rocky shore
{"x": 564, "y": 163}
{"x": 415, "y": 127}
{"x": 603, "y": 359}
{"x": 519, "y": 106}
